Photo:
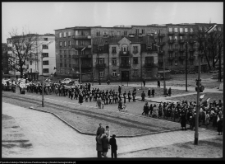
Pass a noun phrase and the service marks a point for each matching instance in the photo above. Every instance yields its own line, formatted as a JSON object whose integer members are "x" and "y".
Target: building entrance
{"x": 125, "y": 75}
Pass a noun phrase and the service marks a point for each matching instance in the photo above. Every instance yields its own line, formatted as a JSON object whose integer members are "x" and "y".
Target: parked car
{"x": 66, "y": 80}
{"x": 71, "y": 84}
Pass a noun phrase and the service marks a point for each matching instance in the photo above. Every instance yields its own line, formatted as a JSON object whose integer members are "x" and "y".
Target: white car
{"x": 66, "y": 80}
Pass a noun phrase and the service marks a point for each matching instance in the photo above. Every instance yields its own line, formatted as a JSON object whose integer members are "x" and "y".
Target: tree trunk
{"x": 206, "y": 56}
{"x": 21, "y": 71}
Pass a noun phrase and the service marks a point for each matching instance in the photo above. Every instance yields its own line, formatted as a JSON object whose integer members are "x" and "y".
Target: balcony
{"x": 162, "y": 35}
{"x": 170, "y": 33}
{"x": 113, "y": 52}
{"x": 191, "y": 41}
{"x": 191, "y": 49}
{"x": 122, "y": 65}
{"x": 181, "y": 41}
{"x": 100, "y": 66}
{"x": 191, "y": 57}
{"x": 170, "y": 41}
{"x": 170, "y": 58}
{"x": 124, "y": 53}
{"x": 181, "y": 33}
{"x": 81, "y": 36}
{"x": 150, "y": 65}
{"x": 171, "y": 50}
{"x": 181, "y": 57}
{"x": 181, "y": 49}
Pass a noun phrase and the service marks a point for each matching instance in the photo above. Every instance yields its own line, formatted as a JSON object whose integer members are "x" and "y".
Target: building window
{"x": 118, "y": 33}
{"x": 175, "y": 38}
{"x": 135, "y": 49}
{"x": 175, "y": 29}
{"x": 186, "y": 29}
{"x": 114, "y": 73}
{"x": 69, "y": 33}
{"x": 181, "y": 37}
{"x": 65, "y": 65}
{"x": 181, "y": 30}
{"x": 114, "y": 61}
{"x": 170, "y": 29}
{"x": 135, "y": 74}
{"x": 64, "y": 34}
{"x": 44, "y": 46}
{"x": 125, "y": 33}
{"x": 113, "y": 49}
{"x": 45, "y": 39}
{"x": 149, "y": 60}
{"x": 69, "y": 56}
{"x": 60, "y": 56}
{"x": 143, "y": 31}
{"x": 46, "y": 70}
{"x": 124, "y": 48}
{"x": 98, "y": 33}
{"x": 100, "y": 61}
{"x": 171, "y": 63}
{"x": 135, "y": 60}
{"x": 65, "y": 52}
{"x": 44, "y": 55}
{"x": 170, "y": 37}
{"x": 181, "y": 62}
{"x": 175, "y": 62}
{"x": 101, "y": 74}
{"x": 31, "y": 62}
{"x": 191, "y": 30}
{"x": 60, "y": 44}
{"x": 64, "y": 43}
{"x": 46, "y": 62}
{"x": 60, "y": 34}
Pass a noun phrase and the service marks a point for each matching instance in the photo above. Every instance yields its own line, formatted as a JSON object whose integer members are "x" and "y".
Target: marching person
{"x": 149, "y": 92}
{"x": 143, "y": 96}
{"x": 129, "y": 96}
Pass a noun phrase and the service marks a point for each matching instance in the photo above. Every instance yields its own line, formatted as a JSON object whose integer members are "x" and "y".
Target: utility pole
{"x": 186, "y": 66}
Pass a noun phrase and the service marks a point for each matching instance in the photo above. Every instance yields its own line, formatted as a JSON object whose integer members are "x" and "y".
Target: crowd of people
{"x": 185, "y": 113}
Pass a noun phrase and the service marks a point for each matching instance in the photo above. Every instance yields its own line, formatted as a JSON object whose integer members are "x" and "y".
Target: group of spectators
{"x": 104, "y": 142}
{"x": 185, "y": 112}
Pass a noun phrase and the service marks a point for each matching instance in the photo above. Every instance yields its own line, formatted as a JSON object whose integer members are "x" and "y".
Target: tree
{"x": 23, "y": 48}
{"x": 210, "y": 46}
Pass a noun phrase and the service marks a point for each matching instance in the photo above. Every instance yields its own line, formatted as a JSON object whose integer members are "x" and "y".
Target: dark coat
{"x": 80, "y": 99}
{"x": 149, "y": 92}
{"x": 183, "y": 120}
{"x": 105, "y": 143}
{"x": 98, "y": 143}
{"x": 100, "y": 131}
{"x": 220, "y": 125}
{"x": 113, "y": 144}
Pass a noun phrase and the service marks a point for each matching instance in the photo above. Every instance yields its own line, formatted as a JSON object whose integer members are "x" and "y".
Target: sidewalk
{"x": 52, "y": 138}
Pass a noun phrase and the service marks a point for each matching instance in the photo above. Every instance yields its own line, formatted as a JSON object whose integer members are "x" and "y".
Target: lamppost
{"x": 199, "y": 47}
{"x": 186, "y": 65}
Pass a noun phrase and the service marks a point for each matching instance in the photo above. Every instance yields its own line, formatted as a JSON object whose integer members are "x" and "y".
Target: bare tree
{"x": 23, "y": 49}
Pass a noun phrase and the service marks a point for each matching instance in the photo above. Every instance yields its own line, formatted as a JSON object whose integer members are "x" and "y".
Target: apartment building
{"x": 127, "y": 52}
{"x": 42, "y": 55}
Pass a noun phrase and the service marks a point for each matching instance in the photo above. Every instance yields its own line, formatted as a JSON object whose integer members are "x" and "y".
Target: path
{"x": 52, "y": 138}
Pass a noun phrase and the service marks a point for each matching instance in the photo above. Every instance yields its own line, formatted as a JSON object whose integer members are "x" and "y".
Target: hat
{"x": 113, "y": 135}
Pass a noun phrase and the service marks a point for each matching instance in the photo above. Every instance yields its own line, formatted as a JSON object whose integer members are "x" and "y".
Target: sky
{"x": 46, "y": 17}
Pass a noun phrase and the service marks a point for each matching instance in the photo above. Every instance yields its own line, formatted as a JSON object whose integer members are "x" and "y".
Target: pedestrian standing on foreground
{"x": 113, "y": 146}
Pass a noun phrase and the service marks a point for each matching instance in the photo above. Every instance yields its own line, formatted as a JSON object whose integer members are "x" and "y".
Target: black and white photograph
{"x": 112, "y": 80}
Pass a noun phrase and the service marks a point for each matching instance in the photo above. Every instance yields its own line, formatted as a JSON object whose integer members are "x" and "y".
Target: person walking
{"x": 169, "y": 92}
{"x": 143, "y": 96}
{"x": 144, "y": 82}
{"x": 145, "y": 109}
{"x": 80, "y": 98}
{"x": 129, "y": 96}
{"x": 153, "y": 92}
{"x": 119, "y": 89}
{"x": 183, "y": 121}
{"x": 149, "y": 92}
{"x": 113, "y": 146}
{"x": 158, "y": 83}
{"x": 220, "y": 125}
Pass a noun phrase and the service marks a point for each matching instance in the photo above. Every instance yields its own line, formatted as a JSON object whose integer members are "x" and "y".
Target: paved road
{"x": 52, "y": 138}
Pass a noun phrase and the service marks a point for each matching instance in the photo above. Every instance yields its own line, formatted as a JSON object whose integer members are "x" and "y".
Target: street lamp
{"x": 186, "y": 66}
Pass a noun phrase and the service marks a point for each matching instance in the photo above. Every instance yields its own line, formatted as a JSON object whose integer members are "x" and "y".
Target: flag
{"x": 210, "y": 29}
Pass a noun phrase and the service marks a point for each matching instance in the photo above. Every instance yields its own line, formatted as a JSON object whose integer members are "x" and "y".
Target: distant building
{"x": 5, "y": 67}
{"x": 43, "y": 46}
{"x": 127, "y": 52}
